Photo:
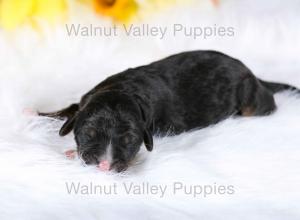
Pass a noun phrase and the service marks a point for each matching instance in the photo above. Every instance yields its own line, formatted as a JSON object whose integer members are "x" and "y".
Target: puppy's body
{"x": 182, "y": 92}
{"x": 190, "y": 90}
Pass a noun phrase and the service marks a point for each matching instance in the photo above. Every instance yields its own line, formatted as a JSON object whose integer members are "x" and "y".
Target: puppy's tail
{"x": 278, "y": 87}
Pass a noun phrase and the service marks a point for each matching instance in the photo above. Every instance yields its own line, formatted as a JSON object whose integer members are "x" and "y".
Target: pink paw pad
{"x": 71, "y": 154}
{"x": 104, "y": 165}
{"x": 29, "y": 111}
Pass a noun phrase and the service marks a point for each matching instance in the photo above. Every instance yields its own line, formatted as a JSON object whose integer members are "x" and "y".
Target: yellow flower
{"x": 119, "y": 10}
{"x": 51, "y": 10}
{"x": 14, "y": 13}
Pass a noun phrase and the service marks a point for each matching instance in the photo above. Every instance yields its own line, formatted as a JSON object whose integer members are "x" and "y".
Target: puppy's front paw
{"x": 71, "y": 154}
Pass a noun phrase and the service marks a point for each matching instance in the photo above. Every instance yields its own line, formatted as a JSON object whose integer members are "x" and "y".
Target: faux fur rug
{"x": 245, "y": 168}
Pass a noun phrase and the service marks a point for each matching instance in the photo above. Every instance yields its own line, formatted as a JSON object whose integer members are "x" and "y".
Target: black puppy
{"x": 182, "y": 92}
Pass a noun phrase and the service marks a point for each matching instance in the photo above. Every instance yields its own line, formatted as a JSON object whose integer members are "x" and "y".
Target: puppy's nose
{"x": 104, "y": 165}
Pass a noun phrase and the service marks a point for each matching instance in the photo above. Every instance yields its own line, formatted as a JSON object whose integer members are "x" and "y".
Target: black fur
{"x": 182, "y": 92}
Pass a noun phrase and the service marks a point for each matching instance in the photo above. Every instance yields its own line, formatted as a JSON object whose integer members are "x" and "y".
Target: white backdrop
{"x": 259, "y": 157}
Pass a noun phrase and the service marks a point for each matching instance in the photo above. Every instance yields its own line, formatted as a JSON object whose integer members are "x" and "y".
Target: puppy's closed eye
{"x": 86, "y": 136}
{"x": 129, "y": 139}
{"x": 125, "y": 140}
{"x": 91, "y": 133}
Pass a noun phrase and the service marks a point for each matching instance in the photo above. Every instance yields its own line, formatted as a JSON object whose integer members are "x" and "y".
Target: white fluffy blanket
{"x": 245, "y": 168}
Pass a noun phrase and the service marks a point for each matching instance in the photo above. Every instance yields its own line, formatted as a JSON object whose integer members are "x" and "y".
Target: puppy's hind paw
{"x": 29, "y": 112}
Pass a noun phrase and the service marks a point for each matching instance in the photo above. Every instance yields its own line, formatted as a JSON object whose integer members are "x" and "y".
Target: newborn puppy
{"x": 179, "y": 93}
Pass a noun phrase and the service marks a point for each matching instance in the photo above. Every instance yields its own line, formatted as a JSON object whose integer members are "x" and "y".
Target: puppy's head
{"x": 110, "y": 129}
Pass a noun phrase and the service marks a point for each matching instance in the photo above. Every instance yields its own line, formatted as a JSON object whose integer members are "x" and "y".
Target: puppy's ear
{"x": 143, "y": 110}
{"x": 68, "y": 126}
{"x": 148, "y": 140}
{"x": 69, "y": 113}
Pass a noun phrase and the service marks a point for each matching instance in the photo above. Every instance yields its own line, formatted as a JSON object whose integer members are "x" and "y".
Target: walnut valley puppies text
{"x": 146, "y": 30}
{"x": 149, "y": 189}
